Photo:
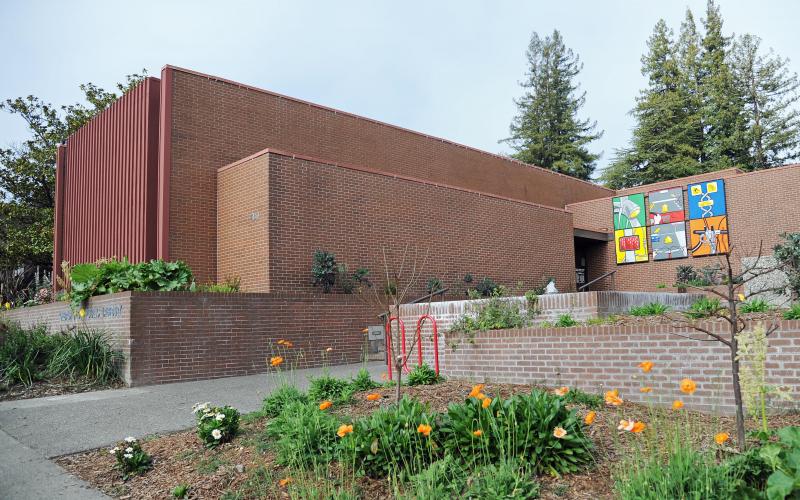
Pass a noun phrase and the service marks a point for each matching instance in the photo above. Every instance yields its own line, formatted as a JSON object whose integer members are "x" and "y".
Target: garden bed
{"x": 247, "y": 467}
{"x": 57, "y": 387}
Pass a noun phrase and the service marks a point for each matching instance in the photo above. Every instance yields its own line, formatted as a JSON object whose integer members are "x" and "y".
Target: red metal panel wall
{"x": 108, "y": 182}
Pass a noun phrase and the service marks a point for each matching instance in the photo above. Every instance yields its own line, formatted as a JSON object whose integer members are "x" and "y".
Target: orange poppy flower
{"x": 639, "y": 427}
{"x": 477, "y": 433}
{"x": 646, "y": 366}
{"x": 281, "y": 341}
{"x": 325, "y": 405}
{"x": 288, "y": 344}
{"x": 559, "y": 432}
{"x": 283, "y": 482}
{"x": 612, "y": 398}
{"x": 365, "y": 330}
{"x": 589, "y": 418}
{"x": 721, "y": 438}
{"x": 373, "y": 397}
{"x": 384, "y": 376}
{"x": 677, "y": 404}
{"x": 424, "y": 429}
{"x": 688, "y": 386}
{"x": 344, "y": 430}
{"x": 561, "y": 391}
{"x": 486, "y": 402}
{"x": 646, "y": 389}
{"x": 476, "y": 390}
{"x": 276, "y": 360}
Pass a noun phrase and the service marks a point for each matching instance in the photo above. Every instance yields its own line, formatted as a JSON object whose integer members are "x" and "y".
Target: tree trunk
{"x": 737, "y": 388}
{"x": 398, "y": 355}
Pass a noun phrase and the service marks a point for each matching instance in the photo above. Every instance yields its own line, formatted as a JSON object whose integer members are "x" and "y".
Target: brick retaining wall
{"x": 182, "y": 336}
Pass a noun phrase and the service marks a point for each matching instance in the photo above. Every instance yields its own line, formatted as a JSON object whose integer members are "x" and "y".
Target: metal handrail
{"x": 421, "y": 299}
{"x": 596, "y": 280}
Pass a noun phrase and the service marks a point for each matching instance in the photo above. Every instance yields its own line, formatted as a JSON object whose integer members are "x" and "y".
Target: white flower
{"x": 113, "y": 450}
{"x": 216, "y": 434}
{"x": 128, "y": 450}
{"x": 130, "y": 439}
{"x": 128, "y": 455}
{"x": 220, "y": 417}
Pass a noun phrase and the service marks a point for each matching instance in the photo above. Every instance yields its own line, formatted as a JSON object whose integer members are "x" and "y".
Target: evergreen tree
{"x": 547, "y": 131}
{"x": 770, "y": 94}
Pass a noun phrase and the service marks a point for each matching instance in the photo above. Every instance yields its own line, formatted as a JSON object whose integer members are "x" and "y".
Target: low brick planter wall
{"x": 600, "y": 358}
{"x": 182, "y": 336}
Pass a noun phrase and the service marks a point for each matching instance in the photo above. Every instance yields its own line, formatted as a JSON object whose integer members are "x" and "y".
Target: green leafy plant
{"x": 487, "y": 287}
{"x": 423, "y": 375}
{"x": 755, "y": 306}
{"x": 131, "y": 459}
{"x": 497, "y": 313}
{"x": 230, "y": 285}
{"x": 280, "y": 398}
{"x": 324, "y": 270}
{"x": 787, "y": 253}
{"x": 363, "y": 381}
{"x": 444, "y": 478}
{"x": 24, "y": 354}
{"x": 305, "y": 434}
{"x": 651, "y": 309}
{"x": 661, "y": 285}
{"x": 85, "y": 353}
{"x": 565, "y": 321}
{"x": 349, "y": 282}
{"x": 180, "y": 491}
{"x": 434, "y": 285}
{"x": 793, "y": 312}
{"x": 507, "y": 479}
{"x": 520, "y": 426}
{"x": 216, "y": 424}
{"x": 704, "y": 308}
{"x": 684, "y": 275}
{"x": 783, "y": 458}
{"x": 579, "y": 397}
{"x": 330, "y": 388}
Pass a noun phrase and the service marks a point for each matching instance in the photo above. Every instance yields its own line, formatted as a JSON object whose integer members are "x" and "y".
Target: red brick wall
{"x": 596, "y": 359}
{"x": 243, "y": 224}
{"x": 761, "y": 205}
{"x": 216, "y": 122}
{"x": 356, "y": 213}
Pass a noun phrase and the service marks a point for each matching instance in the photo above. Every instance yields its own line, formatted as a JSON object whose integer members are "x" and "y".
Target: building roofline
{"x": 360, "y": 168}
{"x": 385, "y": 124}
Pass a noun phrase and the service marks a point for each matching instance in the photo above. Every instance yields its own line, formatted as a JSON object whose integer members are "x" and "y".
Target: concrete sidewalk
{"x": 34, "y": 430}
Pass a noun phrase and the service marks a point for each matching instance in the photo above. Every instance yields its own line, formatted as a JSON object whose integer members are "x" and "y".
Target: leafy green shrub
{"x": 661, "y": 285}
{"x": 24, "y": 354}
{"x": 180, "y": 491}
{"x": 685, "y": 275}
{"x": 131, "y": 459}
{"x": 444, "y": 478}
{"x": 305, "y": 434}
{"x": 423, "y": 375}
{"x": 85, "y": 353}
{"x": 565, "y": 321}
{"x": 330, "y": 388}
{"x": 651, "y": 309}
{"x": 487, "y": 287}
{"x": 504, "y": 480}
{"x": 751, "y": 469}
{"x": 390, "y": 439}
{"x": 434, "y": 285}
{"x": 783, "y": 458}
{"x": 787, "y": 254}
{"x": 793, "y": 312}
{"x": 755, "y": 306}
{"x": 111, "y": 276}
{"x": 496, "y": 313}
{"x": 521, "y": 426}
{"x": 579, "y": 397}
{"x": 230, "y": 285}
{"x": 323, "y": 270}
{"x": 363, "y": 381}
{"x": 216, "y": 424}
{"x": 686, "y": 474}
{"x": 348, "y": 282}
{"x": 280, "y": 398}
{"x": 704, "y": 308}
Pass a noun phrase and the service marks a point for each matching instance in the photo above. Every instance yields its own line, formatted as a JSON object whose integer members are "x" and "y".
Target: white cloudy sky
{"x": 447, "y": 68}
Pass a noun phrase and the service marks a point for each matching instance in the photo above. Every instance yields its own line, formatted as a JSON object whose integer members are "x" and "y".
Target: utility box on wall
{"x": 376, "y": 338}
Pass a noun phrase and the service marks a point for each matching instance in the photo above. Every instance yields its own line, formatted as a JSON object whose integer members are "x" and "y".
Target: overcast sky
{"x": 446, "y": 68}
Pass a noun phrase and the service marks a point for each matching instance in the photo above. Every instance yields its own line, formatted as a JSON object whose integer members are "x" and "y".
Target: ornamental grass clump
{"x": 305, "y": 434}
{"x": 131, "y": 459}
{"x": 330, "y": 388}
{"x": 216, "y": 424}
{"x": 280, "y": 398}
{"x": 651, "y": 309}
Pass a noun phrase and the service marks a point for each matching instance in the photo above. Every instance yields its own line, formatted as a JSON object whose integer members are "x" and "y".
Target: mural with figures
{"x": 665, "y": 206}
{"x": 708, "y": 224}
{"x": 630, "y": 229}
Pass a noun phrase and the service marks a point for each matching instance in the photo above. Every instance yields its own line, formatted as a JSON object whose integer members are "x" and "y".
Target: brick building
{"x": 239, "y": 181}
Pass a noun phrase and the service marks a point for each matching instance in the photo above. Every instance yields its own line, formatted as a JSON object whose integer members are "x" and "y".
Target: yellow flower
{"x": 325, "y": 405}
{"x": 721, "y": 438}
{"x": 476, "y": 390}
{"x": 486, "y": 402}
{"x": 344, "y": 430}
{"x": 646, "y": 389}
{"x": 612, "y": 398}
{"x": 373, "y": 397}
{"x": 8, "y": 306}
{"x": 424, "y": 429}
{"x": 365, "y": 330}
{"x": 82, "y": 313}
{"x": 646, "y": 366}
{"x": 677, "y": 404}
{"x": 688, "y": 386}
{"x": 741, "y": 297}
{"x": 561, "y": 391}
{"x": 559, "y": 432}
{"x": 589, "y": 418}
{"x": 477, "y": 433}
{"x": 281, "y": 341}
{"x": 276, "y": 360}
{"x": 283, "y": 482}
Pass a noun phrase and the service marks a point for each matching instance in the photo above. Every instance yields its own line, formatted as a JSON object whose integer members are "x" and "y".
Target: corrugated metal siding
{"x": 110, "y": 181}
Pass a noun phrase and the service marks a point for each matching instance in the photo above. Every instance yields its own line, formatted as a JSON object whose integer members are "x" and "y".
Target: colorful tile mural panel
{"x": 629, "y": 211}
{"x": 668, "y": 241}
{"x": 665, "y": 206}
{"x": 709, "y": 236}
{"x": 707, "y": 199}
{"x": 631, "y": 245}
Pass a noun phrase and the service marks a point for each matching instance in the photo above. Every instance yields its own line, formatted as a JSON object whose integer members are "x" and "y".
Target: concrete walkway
{"x": 35, "y": 430}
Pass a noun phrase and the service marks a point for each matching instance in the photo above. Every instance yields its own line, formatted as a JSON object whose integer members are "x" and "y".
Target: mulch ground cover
{"x": 49, "y": 388}
{"x": 181, "y": 458}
